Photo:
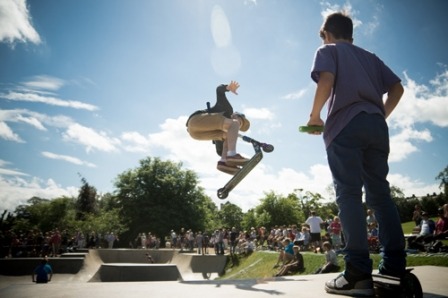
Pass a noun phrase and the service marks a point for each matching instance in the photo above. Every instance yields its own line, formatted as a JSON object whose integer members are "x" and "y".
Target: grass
{"x": 260, "y": 263}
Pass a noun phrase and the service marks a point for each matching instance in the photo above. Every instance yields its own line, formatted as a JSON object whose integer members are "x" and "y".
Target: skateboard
{"x": 311, "y": 128}
{"x": 247, "y": 167}
{"x": 391, "y": 286}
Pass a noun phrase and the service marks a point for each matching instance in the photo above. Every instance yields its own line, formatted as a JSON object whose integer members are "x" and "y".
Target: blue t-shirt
{"x": 42, "y": 272}
{"x": 361, "y": 80}
{"x": 289, "y": 248}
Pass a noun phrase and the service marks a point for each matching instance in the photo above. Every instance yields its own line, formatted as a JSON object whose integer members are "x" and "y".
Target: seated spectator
{"x": 331, "y": 260}
{"x": 303, "y": 239}
{"x": 296, "y": 265}
{"x": 43, "y": 272}
{"x": 431, "y": 241}
{"x": 287, "y": 253}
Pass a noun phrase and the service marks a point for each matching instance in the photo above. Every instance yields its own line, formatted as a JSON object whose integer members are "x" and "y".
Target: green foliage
{"x": 231, "y": 215}
{"x": 86, "y": 203}
{"x": 443, "y": 177}
{"x": 103, "y": 223}
{"x": 278, "y": 210}
{"x": 159, "y": 196}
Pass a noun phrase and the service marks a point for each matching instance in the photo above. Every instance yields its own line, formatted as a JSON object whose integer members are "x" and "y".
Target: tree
{"x": 308, "y": 202}
{"x": 86, "y": 203}
{"x": 159, "y": 196}
{"x": 281, "y": 210}
{"x": 231, "y": 215}
{"x": 443, "y": 177}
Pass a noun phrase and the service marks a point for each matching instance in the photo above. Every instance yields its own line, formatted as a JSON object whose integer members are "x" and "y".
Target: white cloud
{"x": 7, "y": 133}
{"x": 135, "y": 142}
{"x": 420, "y": 104}
{"x": 31, "y": 121}
{"x": 9, "y": 172}
{"x": 259, "y": 114}
{"x": 15, "y": 23}
{"x": 412, "y": 187}
{"x": 295, "y": 95}
{"x": 367, "y": 28}
{"x": 70, "y": 159}
{"x": 90, "y": 138}
{"x": 34, "y": 97}
{"x": 45, "y": 82}
{"x": 16, "y": 191}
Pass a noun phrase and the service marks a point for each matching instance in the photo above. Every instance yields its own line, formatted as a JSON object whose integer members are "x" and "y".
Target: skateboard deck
{"x": 236, "y": 179}
{"x": 245, "y": 169}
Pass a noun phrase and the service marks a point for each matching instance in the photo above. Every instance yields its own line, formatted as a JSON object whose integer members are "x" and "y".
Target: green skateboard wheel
{"x": 311, "y": 128}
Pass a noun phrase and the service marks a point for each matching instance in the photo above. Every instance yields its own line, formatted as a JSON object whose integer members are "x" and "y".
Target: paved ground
{"x": 433, "y": 279}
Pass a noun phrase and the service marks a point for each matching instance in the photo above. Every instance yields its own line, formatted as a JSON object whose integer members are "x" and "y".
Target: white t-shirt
{"x": 314, "y": 222}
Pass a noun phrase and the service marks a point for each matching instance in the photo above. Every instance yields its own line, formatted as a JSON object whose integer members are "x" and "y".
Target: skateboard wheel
{"x": 267, "y": 148}
{"x": 411, "y": 286}
{"x": 222, "y": 193}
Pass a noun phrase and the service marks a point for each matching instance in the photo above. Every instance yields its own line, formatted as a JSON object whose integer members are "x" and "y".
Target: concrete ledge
{"x": 25, "y": 266}
{"x": 138, "y": 272}
{"x": 74, "y": 255}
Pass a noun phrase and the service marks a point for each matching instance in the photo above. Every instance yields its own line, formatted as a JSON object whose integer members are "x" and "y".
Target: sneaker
{"x": 236, "y": 160}
{"x": 384, "y": 270}
{"x": 226, "y": 168}
{"x": 341, "y": 286}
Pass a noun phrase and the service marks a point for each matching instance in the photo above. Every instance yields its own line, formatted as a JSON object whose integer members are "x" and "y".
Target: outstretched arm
{"x": 323, "y": 91}
{"x": 233, "y": 87}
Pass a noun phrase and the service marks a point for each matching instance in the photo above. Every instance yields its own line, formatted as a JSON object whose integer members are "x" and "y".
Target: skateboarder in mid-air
{"x": 221, "y": 125}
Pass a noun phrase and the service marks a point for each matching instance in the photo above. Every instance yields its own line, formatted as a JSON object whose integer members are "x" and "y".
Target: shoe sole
{"x": 237, "y": 162}
{"x": 352, "y": 292}
{"x": 228, "y": 170}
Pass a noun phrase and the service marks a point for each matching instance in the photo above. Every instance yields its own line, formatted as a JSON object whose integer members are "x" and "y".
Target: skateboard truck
{"x": 247, "y": 167}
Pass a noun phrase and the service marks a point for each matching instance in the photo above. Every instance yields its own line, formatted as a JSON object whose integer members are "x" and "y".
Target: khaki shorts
{"x": 206, "y": 126}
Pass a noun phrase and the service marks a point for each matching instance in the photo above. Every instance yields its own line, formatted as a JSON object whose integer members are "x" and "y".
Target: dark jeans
{"x": 358, "y": 158}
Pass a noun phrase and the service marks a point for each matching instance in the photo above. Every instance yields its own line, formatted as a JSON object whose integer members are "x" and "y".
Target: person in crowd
{"x": 43, "y": 273}
{"x": 199, "y": 242}
{"x": 315, "y": 223}
{"x": 296, "y": 265}
{"x": 335, "y": 229}
{"x": 286, "y": 253}
{"x": 417, "y": 214}
{"x": 331, "y": 260}
{"x": 233, "y": 240}
{"x": 110, "y": 238}
{"x": 370, "y": 218}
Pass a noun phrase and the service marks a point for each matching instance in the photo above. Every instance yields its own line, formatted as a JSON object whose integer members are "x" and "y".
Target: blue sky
{"x": 92, "y": 87}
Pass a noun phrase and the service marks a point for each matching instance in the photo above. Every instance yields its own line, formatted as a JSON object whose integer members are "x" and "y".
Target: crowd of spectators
{"x": 36, "y": 243}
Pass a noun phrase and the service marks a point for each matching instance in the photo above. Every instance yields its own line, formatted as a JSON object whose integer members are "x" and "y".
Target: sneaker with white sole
{"x": 341, "y": 286}
{"x": 236, "y": 160}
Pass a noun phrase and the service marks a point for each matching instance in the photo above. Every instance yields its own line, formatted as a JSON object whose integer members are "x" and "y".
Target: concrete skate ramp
{"x": 197, "y": 267}
{"x": 105, "y": 265}
{"x": 114, "y": 272}
{"x": 169, "y": 265}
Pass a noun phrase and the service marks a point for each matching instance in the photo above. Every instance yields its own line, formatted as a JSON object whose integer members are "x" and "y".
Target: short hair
{"x": 327, "y": 244}
{"x": 338, "y": 24}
